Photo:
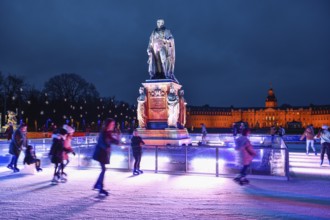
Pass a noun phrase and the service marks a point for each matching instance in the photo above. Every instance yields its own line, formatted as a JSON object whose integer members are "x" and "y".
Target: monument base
{"x": 168, "y": 136}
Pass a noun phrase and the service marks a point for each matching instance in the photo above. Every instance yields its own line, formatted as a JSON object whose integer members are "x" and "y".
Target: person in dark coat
{"x": 30, "y": 158}
{"x": 103, "y": 150}
{"x": 56, "y": 152}
{"x": 16, "y": 145}
{"x": 136, "y": 143}
{"x": 9, "y": 131}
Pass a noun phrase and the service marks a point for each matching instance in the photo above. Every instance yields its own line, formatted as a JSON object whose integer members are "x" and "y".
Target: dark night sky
{"x": 227, "y": 52}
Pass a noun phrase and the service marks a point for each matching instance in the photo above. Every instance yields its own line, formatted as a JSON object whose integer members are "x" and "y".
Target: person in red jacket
{"x": 309, "y": 134}
{"x": 67, "y": 148}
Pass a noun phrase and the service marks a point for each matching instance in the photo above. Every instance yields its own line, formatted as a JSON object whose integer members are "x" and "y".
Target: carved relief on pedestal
{"x": 141, "y": 108}
{"x": 182, "y": 116}
{"x": 173, "y": 107}
{"x": 157, "y": 103}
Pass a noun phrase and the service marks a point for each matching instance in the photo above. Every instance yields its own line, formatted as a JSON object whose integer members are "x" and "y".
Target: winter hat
{"x": 62, "y": 131}
{"x": 69, "y": 129}
{"x": 325, "y": 127}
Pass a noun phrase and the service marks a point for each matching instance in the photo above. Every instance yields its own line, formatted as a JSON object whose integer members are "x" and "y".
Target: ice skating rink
{"x": 160, "y": 196}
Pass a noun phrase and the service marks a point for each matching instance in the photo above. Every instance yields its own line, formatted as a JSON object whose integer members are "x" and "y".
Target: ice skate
{"x": 241, "y": 180}
{"x": 10, "y": 166}
{"x": 140, "y": 171}
{"x": 97, "y": 187}
{"x": 63, "y": 179}
{"x": 15, "y": 169}
{"x": 236, "y": 179}
{"x": 136, "y": 172}
{"x": 103, "y": 192}
{"x": 244, "y": 181}
{"x": 54, "y": 180}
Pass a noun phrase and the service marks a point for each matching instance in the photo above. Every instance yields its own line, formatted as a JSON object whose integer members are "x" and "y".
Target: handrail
{"x": 185, "y": 155}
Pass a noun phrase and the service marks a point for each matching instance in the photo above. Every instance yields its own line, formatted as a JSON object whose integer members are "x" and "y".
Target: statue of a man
{"x": 182, "y": 116}
{"x": 141, "y": 115}
{"x": 173, "y": 108}
{"x": 161, "y": 52}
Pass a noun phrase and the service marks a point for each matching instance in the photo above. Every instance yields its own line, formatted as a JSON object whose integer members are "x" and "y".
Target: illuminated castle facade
{"x": 261, "y": 117}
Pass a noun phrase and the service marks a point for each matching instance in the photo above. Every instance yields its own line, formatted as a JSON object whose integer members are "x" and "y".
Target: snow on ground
{"x": 159, "y": 196}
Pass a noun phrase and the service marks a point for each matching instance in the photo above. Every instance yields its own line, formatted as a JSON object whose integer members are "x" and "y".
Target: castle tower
{"x": 271, "y": 101}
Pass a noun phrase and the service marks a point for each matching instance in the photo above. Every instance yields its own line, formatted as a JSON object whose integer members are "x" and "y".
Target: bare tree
{"x": 70, "y": 87}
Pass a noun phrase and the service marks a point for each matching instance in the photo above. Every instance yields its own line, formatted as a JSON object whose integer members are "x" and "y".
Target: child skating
{"x": 56, "y": 154}
{"x": 67, "y": 149}
{"x": 31, "y": 158}
{"x": 245, "y": 148}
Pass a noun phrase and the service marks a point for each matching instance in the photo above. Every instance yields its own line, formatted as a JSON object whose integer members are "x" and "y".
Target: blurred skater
{"x": 102, "y": 151}
{"x": 272, "y": 133}
{"x": 234, "y": 130}
{"x": 16, "y": 145}
{"x": 67, "y": 148}
{"x": 204, "y": 133}
{"x": 281, "y": 131}
{"x": 324, "y": 135}
{"x": 9, "y": 131}
{"x": 136, "y": 143}
{"x": 309, "y": 135}
{"x": 244, "y": 146}
{"x": 30, "y": 158}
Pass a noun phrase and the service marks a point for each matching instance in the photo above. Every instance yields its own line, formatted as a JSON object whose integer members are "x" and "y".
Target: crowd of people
{"x": 61, "y": 147}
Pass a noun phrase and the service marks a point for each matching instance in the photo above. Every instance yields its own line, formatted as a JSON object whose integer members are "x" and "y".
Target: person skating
{"x": 324, "y": 135}
{"x": 67, "y": 148}
{"x": 9, "y": 131}
{"x": 204, "y": 133}
{"x": 16, "y": 145}
{"x": 102, "y": 151}
{"x": 30, "y": 158}
{"x": 309, "y": 134}
{"x": 244, "y": 146}
{"x": 136, "y": 143}
{"x": 56, "y": 153}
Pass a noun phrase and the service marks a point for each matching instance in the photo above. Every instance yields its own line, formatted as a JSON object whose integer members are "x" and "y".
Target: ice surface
{"x": 159, "y": 196}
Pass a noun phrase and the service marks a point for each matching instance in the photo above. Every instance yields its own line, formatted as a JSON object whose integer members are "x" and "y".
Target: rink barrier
{"x": 218, "y": 157}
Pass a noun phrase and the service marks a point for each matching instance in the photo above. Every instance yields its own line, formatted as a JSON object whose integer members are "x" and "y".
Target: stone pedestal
{"x": 156, "y": 106}
{"x": 157, "y": 130}
{"x": 165, "y": 136}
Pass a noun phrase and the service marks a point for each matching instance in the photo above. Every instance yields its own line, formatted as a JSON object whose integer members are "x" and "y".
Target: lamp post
{"x": 4, "y": 107}
{"x": 20, "y": 105}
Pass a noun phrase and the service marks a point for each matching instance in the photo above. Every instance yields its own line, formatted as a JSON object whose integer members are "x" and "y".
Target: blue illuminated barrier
{"x": 217, "y": 159}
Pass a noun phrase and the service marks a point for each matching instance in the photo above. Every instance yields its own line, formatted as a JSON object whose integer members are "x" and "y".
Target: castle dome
{"x": 271, "y": 101}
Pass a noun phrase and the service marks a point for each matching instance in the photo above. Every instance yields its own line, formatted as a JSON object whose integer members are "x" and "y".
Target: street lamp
{"x": 4, "y": 106}
{"x": 20, "y": 104}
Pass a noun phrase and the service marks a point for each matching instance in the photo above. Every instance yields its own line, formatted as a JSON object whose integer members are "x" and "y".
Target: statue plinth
{"x": 168, "y": 136}
{"x": 157, "y": 108}
{"x": 164, "y": 110}
{"x": 161, "y": 111}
